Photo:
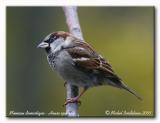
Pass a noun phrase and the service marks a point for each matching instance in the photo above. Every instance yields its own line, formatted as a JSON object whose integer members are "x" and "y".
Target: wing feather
{"x": 85, "y": 57}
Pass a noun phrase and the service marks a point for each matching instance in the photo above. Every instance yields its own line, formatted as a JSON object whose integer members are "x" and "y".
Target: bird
{"x": 79, "y": 64}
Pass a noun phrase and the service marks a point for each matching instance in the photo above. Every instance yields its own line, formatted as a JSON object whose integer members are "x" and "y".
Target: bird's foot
{"x": 72, "y": 100}
{"x": 65, "y": 84}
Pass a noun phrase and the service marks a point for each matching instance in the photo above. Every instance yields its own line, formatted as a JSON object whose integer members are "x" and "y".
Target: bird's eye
{"x": 53, "y": 39}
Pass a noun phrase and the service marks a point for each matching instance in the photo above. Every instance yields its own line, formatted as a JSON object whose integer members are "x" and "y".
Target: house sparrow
{"x": 79, "y": 64}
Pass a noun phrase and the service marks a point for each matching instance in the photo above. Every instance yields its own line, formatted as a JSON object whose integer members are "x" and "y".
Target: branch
{"x": 73, "y": 21}
{"x": 74, "y": 28}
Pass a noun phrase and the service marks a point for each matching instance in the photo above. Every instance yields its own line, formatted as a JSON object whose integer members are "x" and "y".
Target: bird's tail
{"x": 130, "y": 90}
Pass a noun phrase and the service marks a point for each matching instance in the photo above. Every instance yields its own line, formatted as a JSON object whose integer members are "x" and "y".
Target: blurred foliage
{"x": 123, "y": 35}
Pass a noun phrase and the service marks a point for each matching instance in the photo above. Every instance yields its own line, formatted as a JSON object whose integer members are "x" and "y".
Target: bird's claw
{"x": 72, "y": 100}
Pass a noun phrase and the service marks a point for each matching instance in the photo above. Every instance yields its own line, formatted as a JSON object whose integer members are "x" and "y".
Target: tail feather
{"x": 117, "y": 82}
{"x": 131, "y": 91}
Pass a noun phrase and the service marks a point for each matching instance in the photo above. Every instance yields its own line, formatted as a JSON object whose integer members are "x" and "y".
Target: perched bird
{"x": 79, "y": 64}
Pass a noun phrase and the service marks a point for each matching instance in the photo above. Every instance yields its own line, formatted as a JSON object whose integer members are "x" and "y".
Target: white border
{"x": 81, "y": 2}
{"x": 4, "y": 3}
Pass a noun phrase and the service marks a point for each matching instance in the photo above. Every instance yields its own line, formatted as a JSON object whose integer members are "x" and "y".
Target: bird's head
{"x": 56, "y": 41}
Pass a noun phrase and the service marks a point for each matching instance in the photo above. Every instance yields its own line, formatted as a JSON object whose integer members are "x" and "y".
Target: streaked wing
{"x": 89, "y": 60}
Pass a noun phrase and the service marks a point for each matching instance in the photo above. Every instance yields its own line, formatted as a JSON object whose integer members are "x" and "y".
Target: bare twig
{"x": 74, "y": 28}
{"x": 73, "y": 21}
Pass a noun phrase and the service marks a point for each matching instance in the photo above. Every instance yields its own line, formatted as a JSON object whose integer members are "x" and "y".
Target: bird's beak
{"x": 43, "y": 45}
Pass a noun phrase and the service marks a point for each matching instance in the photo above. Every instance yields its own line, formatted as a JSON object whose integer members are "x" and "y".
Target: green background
{"x": 122, "y": 35}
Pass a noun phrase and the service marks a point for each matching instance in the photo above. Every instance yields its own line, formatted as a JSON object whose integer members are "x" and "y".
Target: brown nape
{"x": 61, "y": 34}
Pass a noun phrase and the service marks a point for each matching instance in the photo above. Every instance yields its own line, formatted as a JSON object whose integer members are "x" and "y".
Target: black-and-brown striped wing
{"x": 86, "y": 58}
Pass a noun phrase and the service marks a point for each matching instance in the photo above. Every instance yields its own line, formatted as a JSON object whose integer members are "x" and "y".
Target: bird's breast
{"x": 61, "y": 61}
{"x": 64, "y": 65}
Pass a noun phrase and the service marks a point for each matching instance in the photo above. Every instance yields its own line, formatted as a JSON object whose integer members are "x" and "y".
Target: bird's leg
{"x": 75, "y": 99}
{"x": 65, "y": 84}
